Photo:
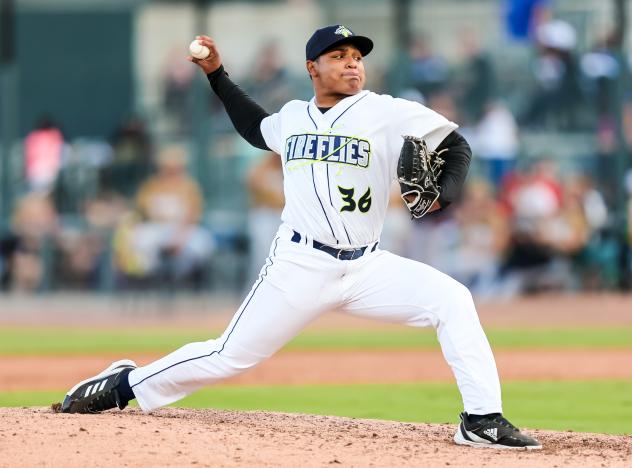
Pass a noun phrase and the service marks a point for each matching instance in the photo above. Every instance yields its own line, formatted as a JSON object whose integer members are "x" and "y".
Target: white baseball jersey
{"x": 339, "y": 166}
{"x": 338, "y": 170}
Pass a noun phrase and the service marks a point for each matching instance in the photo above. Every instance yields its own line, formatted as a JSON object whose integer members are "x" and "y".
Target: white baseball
{"x": 198, "y": 50}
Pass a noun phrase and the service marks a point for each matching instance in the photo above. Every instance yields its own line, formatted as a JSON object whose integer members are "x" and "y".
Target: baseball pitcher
{"x": 340, "y": 153}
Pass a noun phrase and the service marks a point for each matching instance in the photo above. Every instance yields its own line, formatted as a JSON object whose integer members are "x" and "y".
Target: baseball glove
{"x": 417, "y": 173}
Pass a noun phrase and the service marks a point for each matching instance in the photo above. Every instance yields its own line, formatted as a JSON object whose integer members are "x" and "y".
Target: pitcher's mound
{"x": 211, "y": 438}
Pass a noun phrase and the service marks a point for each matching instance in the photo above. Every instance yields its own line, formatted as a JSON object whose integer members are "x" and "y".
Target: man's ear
{"x": 311, "y": 67}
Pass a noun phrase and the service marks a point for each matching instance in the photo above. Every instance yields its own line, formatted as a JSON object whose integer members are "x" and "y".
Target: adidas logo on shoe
{"x": 98, "y": 393}
{"x": 493, "y": 431}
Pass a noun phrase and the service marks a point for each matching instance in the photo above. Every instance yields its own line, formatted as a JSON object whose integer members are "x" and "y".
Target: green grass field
{"x": 595, "y": 406}
{"x": 34, "y": 341}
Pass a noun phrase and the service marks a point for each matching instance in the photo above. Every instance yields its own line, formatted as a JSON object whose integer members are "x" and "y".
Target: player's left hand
{"x": 213, "y": 61}
{"x": 418, "y": 171}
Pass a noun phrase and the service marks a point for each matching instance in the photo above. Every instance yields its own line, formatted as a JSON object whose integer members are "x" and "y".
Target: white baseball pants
{"x": 296, "y": 285}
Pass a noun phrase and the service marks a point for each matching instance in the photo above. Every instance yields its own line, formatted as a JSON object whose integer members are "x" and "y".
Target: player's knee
{"x": 216, "y": 360}
{"x": 464, "y": 293}
{"x": 461, "y": 297}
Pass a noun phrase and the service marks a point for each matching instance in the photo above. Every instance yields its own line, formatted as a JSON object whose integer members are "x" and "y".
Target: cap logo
{"x": 343, "y": 31}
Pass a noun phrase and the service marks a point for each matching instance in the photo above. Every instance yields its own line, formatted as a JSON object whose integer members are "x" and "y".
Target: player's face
{"x": 339, "y": 71}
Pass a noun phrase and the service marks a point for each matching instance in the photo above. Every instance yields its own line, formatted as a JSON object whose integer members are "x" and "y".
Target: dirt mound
{"x": 210, "y": 438}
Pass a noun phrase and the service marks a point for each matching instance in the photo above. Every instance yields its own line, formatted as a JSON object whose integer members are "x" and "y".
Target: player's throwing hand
{"x": 213, "y": 61}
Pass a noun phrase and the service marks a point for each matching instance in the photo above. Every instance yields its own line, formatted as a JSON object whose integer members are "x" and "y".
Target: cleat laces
{"x": 501, "y": 421}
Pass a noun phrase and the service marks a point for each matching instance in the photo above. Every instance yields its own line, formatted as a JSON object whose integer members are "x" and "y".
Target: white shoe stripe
{"x": 111, "y": 369}
{"x": 102, "y": 384}
{"x": 88, "y": 390}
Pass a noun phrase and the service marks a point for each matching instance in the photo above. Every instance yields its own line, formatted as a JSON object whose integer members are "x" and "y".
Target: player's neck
{"x": 328, "y": 100}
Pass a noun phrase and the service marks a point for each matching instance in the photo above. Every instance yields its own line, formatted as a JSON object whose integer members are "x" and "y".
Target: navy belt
{"x": 340, "y": 254}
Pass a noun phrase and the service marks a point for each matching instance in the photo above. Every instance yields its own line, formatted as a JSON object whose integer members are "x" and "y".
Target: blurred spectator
{"x": 495, "y": 142}
{"x": 78, "y": 178}
{"x": 33, "y": 227}
{"x": 443, "y": 102}
{"x": 549, "y": 229}
{"x": 483, "y": 238}
{"x": 269, "y": 83}
{"x": 265, "y": 184}
{"x": 167, "y": 243}
{"x": 413, "y": 95}
{"x": 536, "y": 192}
{"x": 130, "y": 262}
{"x": 596, "y": 262}
{"x": 428, "y": 73}
{"x": 83, "y": 260}
{"x": 580, "y": 189}
{"x": 434, "y": 239}
{"x": 78, "y": 260}
{"x": 178, "y": 80}
{"x": 131, "y": 160}
{"x": 43, "y": 148}
{"x": 601, "y": 68}
{"x": 557, "y": 99}
{"x": 467, "y": 242}
{"x": 602, "y": 71}
{"x": 567, "y": 231}
{"x": 476, "y": 80}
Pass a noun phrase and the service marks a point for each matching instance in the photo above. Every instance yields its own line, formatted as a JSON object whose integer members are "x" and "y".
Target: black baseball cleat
{"x": 98, "y": 393}
{"x": 493, "y": 432}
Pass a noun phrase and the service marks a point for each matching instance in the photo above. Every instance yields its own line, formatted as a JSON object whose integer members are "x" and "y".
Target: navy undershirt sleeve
{"x": 245, "y": 114}
{"x": 457, "y": 163}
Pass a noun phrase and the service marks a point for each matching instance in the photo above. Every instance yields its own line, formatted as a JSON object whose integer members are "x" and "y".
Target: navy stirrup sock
{"x": 124, "y": 390}
{"x": 474, "y": 418}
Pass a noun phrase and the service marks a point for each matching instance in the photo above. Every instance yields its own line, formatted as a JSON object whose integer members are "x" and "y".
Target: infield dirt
{"x": 210, "y": 438}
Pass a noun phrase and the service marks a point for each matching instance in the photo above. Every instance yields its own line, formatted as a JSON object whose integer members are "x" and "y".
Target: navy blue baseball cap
{"x": 326, "y": 38}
